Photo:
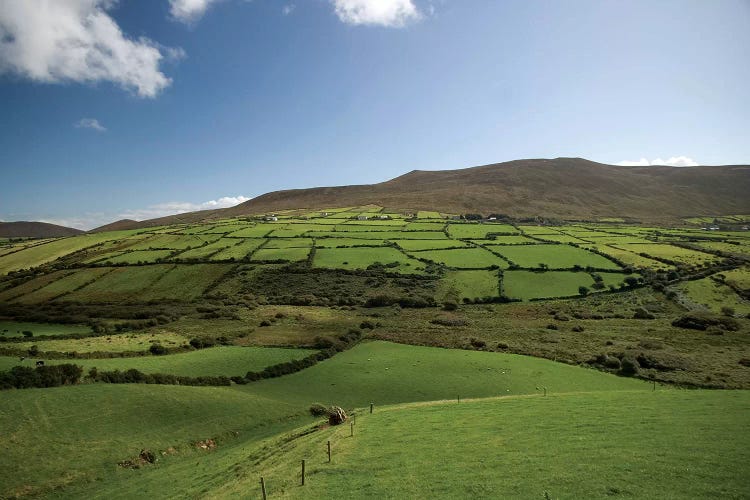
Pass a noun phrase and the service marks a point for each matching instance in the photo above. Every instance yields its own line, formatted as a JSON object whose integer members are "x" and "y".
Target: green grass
{"x": 345, "y": 242}
{"x": 672, "y": 253}
{"x": 123, "y": 283}
{"x": 34, "y": 256}
{"x": 289, "y": 243}
{"x": 14, "y": 329}
{"x": 147, "y": 256}
{"x": 425, "y": 226}
{"x": 630, "y": 258}
{"x": 673, "y": 444}
{"x": 508, "y": 240}
{"x": 478, "y": 231}
{"x": 184, "y": 282}
{"x": 288, "y": 254}
{"x": 241, "y": 249}
{"x": 258, "y": 231}
{"x": 463, "y": 258}
{"x": 469, "y": 284}
{"x": 361, "y": 258}
{"x": 427, "y": 214}
{"x": 739, "y": 278}
{"x": 205, "y": 251}
{"x": 173, "y": 241}
{"x": 119, "y": 342}
{"x": 61, "y": 287}
{"x": 533, "y": 285}
{"x": 714, "y": 296}
{"x": 215, "y": 361}
{"x": 554, "y": 256}
{"x": 416, "y": 245}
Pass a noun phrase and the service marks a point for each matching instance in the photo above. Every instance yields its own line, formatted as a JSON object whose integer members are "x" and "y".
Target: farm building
{"x": 361, "y": 217}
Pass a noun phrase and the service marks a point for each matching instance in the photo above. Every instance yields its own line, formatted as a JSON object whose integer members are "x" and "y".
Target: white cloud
{"x": 390, "y": 13}
{"x": 189, "y": 11}
{"x": 91, "y": 123}
{"x": 180, "y": 207}
{"x": 55, "y": 41}
{"x": 674, "y": 161}
{"x": 288, "y": 9}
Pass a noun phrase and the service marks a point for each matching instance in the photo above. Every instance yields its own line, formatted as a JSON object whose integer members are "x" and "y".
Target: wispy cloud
{"x": 76, "y": 41}
{"x": 91, "y": 123}
{"x": 389, "y": 13}
{"x": 189, "y": 11}
{"x": 288, "y": 9}
{"x": 180, "y": 207}
{"x": 674, "y": 161}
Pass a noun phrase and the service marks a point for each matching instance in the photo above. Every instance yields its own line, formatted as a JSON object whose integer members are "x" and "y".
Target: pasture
{"x": 114, "y": 343}
{"x": 417, "y": 245}
{"x": 714, "y": 296}
{"x": 280, "y": 254}
{"x": 671, "y": 253}
{"x": 533, "y": 285}
{"x": 554, "y": 257}
{"x": 11, "y": 329}
{"x": 214, "y": 361}
{"x": 361, "y": 258}
{"x": 469, "y": 285}
{"x": 462, "y": 258}
{"x": 478, "y": 231}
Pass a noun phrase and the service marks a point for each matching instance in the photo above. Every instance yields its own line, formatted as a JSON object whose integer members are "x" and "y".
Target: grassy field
{"x": 16, "y": 329}
{"x": 630, "y": 258}
{"x": 61, "y": 287}
{"x": 462, "y": 258}
{"x": 714, "y": 296}
{"x": 416, "y": 245}
{"x": 739, "y": 278}
{"x": 672, "y": 253}
{"x": 533, "y": 285}
{"x": 596, "y": 445}
{"x": 469, "y": 284}
{"x": 361, "y": 258}
{"x": 346, "y": 242}
{"x": 478, "y": 231}
{"x": 215, "y": 361}
{"x": 554, "y": 256}
{"x": 289, "y": 243}
{"x": 120, "y": 342}
{"x": 287, "y": 254}
{"x": 135, "y": 257}
{"x": 240, "y": 250}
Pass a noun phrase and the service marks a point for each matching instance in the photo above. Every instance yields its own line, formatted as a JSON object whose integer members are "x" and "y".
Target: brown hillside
{"x": 563, "y": 187}
{"x": 23, "y": 229}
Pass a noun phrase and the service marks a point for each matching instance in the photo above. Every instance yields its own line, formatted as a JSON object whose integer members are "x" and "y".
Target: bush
{"x": 583, "y": 291}
{"x": 726, "y": 311}
{"x": 642, "y": 313}
{"x": 367, "y": 325}
{"x": 24, "y": 377}
{"x": 318, "y": 410}
{"x": 629, "y": 366}
{"x": 701, "y": 321}
{"x": 265, "y": 322}
{"x": 577, "y": 328}
{"x": 450, "y": 306}
{"x": 157, "y": 349}
{"x": 28, "y": 334}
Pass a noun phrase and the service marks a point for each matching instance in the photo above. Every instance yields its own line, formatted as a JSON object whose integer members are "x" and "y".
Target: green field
{"x": 592, "y": 445}
{"x": 114, "y": 343}
{"x": 16, "y": 328}
{"x": 416, "y": 245}
{"x": 469, "y": 284}
{"x": 671, "y": 252}
{"x": 478, "y": 231}
{"x": 285, "y": 254}
{"x": 629, "y": 258}
{"x": 63, "y": 286}
{"x": 738, "y": 278}
{"x": 173, "y": 242}
{"x": 508, "y": 240}
{"x": 714, "y": 296}
{"x": 241, "y": 249}
{"x": 289, "y": 243}
{"x": 554, "y": 257}
{"x": 462, "y": 258}
{"x": 533, "y": 285}
{"x": 135, "y": 257}
{"x": 346, "y": 242}
{"x": 215, "y": 361}
{"x": 361, "y": 258}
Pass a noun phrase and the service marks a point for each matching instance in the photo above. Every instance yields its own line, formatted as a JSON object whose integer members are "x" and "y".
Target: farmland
{"x": 587, "y": 312}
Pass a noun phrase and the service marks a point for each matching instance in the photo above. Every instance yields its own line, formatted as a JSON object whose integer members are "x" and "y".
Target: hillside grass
{"x": 554, "y": 256}
{"x": 361, "y": 258}
{"x": 469, "y": 284}
{"x": 462, "y": 258}
{"x": 533, "y": 285}
{"x": 214, "y": 361}
{"x": 15, "y": 329}
{"x": 665, "y": 444}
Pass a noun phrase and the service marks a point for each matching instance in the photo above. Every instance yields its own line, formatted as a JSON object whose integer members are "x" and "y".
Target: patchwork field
{"x": 361, "y": 258}
{"x": 533, "y": 285}
{"x": 463, "y": 258}
{"x": 554, "y": 257}
{"x": 469, "y": 284}
{"x": 15, "y": 329}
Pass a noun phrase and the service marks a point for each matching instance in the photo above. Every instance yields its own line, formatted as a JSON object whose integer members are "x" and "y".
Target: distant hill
{"x": 23, "y": 229}
{"x": 564, "y": 188}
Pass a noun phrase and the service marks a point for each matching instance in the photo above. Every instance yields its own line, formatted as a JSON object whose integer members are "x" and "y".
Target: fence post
{"x": 303, "y": 472}
{"x": 371, "y": 405}
{"x": 263, "y": 487}
{"x": 351, "y": 426}
{"x": 329, "y": 452}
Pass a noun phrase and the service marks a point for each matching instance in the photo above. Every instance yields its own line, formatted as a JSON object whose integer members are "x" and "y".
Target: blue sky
{"x": 201, "y": 103}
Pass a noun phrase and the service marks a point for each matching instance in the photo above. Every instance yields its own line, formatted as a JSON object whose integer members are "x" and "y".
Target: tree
{"x": 583, "y": 291}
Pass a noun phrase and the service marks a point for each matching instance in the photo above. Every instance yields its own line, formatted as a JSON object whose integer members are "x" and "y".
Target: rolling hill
{"x": 23, "y": 229}
{"x": 566, "y": 188}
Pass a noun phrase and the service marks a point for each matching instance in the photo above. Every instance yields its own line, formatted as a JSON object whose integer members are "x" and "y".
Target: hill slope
{"x": 23, "y": 229}
{"x": 563, "y": 187}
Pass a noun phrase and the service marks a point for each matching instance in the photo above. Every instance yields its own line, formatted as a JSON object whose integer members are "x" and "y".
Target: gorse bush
{"x": 25, "y": 377}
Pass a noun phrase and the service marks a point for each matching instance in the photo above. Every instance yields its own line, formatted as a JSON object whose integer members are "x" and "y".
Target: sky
{"x": 142, "y": 108}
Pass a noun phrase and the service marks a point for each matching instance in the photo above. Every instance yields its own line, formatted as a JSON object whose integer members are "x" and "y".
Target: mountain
{"x": 564, "y": 188}
{"x": 568, "y": 188}
{"x": 23, "y": 229}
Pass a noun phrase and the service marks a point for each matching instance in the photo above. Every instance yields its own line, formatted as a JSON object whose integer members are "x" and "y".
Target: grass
{"x": 215, "y": 361}
{"x": 123, "y": 283}
{"x": 478, "y": 231}
{"x": 184, "y": 282}
{"x": 173, "y": 242}
{"x": 345, "y": 242}
{"x": 361, "y": 258}
{"x": 120, "y": 342}
{"x": 554, "y": 256}
{"x": 463, "y": 258}
{"x": 206, "y": 251}
{"x": 15, "y": 328}
{"x": 241, "y": 249}
{"x": 533, "y": 285}
{"x": 288, "y": 254}
{"x": 599, "y": 445}
{"x": 61, "y": 287}
{"x": 630, "y": 258}
{"x": 289, "y": 243}
{"x": 416, "y": 245}
{"x": 146, "y": 256}
{"x": 713, "y": 296}
{"x": 508, "y": 240}
{"x": 672, "y": 253}
{"x": 258, "y": 231}
{"x": 469, "y": 284}
{"x": 739, "y": 278}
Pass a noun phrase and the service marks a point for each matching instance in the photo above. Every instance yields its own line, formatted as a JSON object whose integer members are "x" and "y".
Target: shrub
{"x": 552, "y": 326}
{"x": 157, "y": 349}
{"x": 642, "y": 313}
{"x": 577, "y": 328}
{"x": 450, "y": 306}
{"x": 27, "y": 333}
{"x": 726, "y": 311}
{"x": 629, "y": 366}
{"x": 583, "y": 291}
{"x": 265, "y": 322}
{"x": 367, "y": 325}
{"x": 478, "y": 343}
{"x": 318, "y": 410}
